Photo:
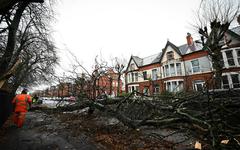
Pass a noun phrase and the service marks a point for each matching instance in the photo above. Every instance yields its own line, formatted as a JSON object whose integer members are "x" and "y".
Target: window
{"x": 137, "y": 88}
{"x": 179, "y": 69}
{"x": 170, "y": 55}
{"x": 163, "y": 71}
{"x": 145, "y": 75}
{"x": 136, "y": 77}
{"x": 172, "y": 70}
{"x": 169, "y": 86}
{"x": 132, "y": 77}
{"x": 230, "y": 58}
{"x": 154, "y": 74}
{"x": 221, "y": 60}
{"x": 133, "y": 88}
{"x": 195, "y": 66}
{"x": 225, "y": 82}
{"x": 167, "y": 70}
{"x": 156, "y": 89}
{"x": 132, "y": 66}
{"x": 129, "y": 78}
{"x": 174, "y": 86}
{"x": 180, "y": 85}
{"x": 129, "y": 90}
{"x": 235, "y": 81}
{"x": 198, "y": 85}
{"x": 238, "y": 55}
{"x": 145, "y": 90}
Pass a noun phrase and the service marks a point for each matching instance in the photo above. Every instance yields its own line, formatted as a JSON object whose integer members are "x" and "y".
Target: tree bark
{"x": 216, "y": 60}
{"x": 11, "y": 42}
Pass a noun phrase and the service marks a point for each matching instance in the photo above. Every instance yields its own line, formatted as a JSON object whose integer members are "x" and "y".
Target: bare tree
{"x": 15, "y": 18}
{"x": 215, "y": 17}
{"x": 119, "y": 68}
{"x": 6, "y": 5}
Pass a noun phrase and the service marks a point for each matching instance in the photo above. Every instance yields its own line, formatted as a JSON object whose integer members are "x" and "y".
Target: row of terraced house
{"x": 184, "y": 68}
{"x": 106, "y": 84}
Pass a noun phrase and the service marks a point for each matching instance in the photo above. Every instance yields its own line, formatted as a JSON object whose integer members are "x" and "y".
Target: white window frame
{"x": 178, "y": 83}
{"x": 170, "y": 55}
{"x": 232, "y": 58}
{"x": 198, "y": 82}
{"x": 172, "y": 71}
{"x": 154, "y": 74}
{"x": 180, "y": 67}
{"x": 199, "y": 70}
{"x": 238, "y": 57}
{"x": 155, "y": 89}
{"x": 167, "y": 70}
{"x": 144, "y": 75}
{"x": 136, "y": 76}
{"x": 230, "y": 81}
{"x": 233, "y": 82}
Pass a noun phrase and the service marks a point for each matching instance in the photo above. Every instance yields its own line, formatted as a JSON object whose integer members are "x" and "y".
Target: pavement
{"x": 72, "y": 131}
{"x": 42, "y": 132}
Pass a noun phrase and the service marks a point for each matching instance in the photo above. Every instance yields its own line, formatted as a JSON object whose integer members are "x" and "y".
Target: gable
{"x": 169, "y": 50}
{"x": 132, "y": 65}
{"x": 233, "y": 37}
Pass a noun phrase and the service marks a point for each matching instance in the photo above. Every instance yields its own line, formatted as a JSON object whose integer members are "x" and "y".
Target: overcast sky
{"x": 120, "y": 28}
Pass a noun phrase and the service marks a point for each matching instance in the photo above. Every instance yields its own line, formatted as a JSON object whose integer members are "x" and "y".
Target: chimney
{"x": 190, "y": 42}
{"x": 189, "y": 39}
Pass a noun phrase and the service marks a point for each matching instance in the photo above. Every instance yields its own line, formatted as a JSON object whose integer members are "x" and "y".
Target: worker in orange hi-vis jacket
{"x": 21, "y": 102}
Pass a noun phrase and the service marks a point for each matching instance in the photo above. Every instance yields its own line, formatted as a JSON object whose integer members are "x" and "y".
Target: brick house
{"x": 108, "y": 83}
{"x": 184, "y": 68}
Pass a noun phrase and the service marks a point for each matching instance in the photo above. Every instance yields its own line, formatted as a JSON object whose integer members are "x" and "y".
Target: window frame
{"x": 198, "y": 82}
{"x": 144, "y": 75}
{"x": 230, "y": 59}
{"x": 233, "y": 81}
{"x": 225, "y": 84}
{"x": 238, "y": 55}
{"x": 154, "y": 74}
{"x": 170, "y": 55}
{"x": 179, "y": 69}
{"x": 193, "y": 66}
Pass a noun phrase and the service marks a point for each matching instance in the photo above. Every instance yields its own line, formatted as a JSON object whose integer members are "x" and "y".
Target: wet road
{"x": 42, "y": 132}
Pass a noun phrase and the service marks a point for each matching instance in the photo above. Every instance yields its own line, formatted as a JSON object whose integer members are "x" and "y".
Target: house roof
{"x": 173, "y": 46}
{"x": 184, "y": 48}
{"x": 151, "y": 59}
{"x": 147, "y": 60}
{"x": 137, "y": 60}
{"x": 236, "y": 30}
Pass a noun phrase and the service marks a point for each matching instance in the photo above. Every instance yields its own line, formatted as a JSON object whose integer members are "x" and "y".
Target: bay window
{"x": 230, "y": 58}
{"x": 195, "y": 66}
{"x": 235, "y": 80}
{"x": 154, "y": 74}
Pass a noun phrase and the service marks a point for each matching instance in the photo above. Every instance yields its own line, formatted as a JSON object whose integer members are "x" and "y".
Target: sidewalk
{"x": 41, "y": 132}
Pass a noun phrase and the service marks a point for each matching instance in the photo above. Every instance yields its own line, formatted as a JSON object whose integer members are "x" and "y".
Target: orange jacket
{"x": 21, "y": 101}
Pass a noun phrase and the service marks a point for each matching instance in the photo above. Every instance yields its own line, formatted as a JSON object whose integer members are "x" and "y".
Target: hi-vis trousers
{"x": 19, "y": 118}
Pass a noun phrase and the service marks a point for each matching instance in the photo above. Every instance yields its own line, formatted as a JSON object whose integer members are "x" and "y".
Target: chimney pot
{"x": 190, "y": 42}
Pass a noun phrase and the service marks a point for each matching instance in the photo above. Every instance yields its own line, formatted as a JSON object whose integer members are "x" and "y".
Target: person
{"x": 21, "y": 102}
{"x": 35, "y": 99}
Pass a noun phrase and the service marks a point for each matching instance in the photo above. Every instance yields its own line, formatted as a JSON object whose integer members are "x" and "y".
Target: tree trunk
{"x": 119, "y": 82}
{"x": 218, "y": 66}
{"x": 11, "y": 42}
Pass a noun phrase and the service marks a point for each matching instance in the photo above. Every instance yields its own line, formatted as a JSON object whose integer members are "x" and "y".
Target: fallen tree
{"x": 211, "y": 116}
